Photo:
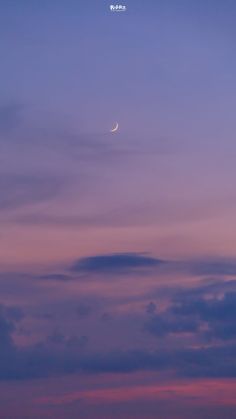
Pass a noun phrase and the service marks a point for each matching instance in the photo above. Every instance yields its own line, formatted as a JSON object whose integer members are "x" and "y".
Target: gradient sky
{"x": 117, "y": 251}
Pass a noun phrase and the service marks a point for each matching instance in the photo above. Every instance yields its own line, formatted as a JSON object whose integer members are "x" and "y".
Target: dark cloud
{"x": 40, "y": 361}
{"x": 123, "y": 361}
{"x": 214, "y": 267}
{"x": 45, "y": 316}
{"x": 151, "y": 308}
{"x": 73, "y": 341}
{"x": 6, "y": 329}
{"x": 14, "y": 313}
{"x": 195, "y": 330}
{"x": 84, "y": 310}
{"x": 77, "y": 342}
{"x": 208, "y": 311}
{"x": 125, "y": 262}
{"x": 164, "y": 324}
{"x": 56, "y": 338}
{"x": 105, "y": 317}
{"x": 66, "y": 354}
{"x": 58, "y": 354}
{"x": 54, "y": 277}
{"x": 203, "y": 362}
{"x": 115, "y": 263}
{"x": 218, "y": 313}
{"x": 221, "y": 308}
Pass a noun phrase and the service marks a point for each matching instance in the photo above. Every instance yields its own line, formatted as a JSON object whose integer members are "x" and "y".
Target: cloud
{"x": 72, "y": 341}
{"x": 6, "y": 329}
{"x": 39, "y": 360}
{"x": 194, "y": 327}
{"x": 77, "y": 342}
{"x": 219, "y": 313}
{"x": 84, "y": 310}
{"x": 44, "y": 361}
{"x": 54, "y": 277}
{"x": 218, "y": 308}
{"x": 14, "y": 313}
{"x": 115, "y": 263}
{"x": 62, "y": 353}
{"x": 207, "y": 311}
{"x": 162, "y": 325}
{"x": 151, "y": 308}
{"x": 56, "y": 338}
{"x": 18, "y": 190}
{"x": 214, "y": 267}
{"x": 126, "y": 262}
{"x": 106, "y": 317}
{"x": 216, "y": 361}
{"x": 203, "y": 362}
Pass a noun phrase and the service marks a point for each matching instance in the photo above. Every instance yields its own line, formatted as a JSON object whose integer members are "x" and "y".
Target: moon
{"x": 115, "y": 128}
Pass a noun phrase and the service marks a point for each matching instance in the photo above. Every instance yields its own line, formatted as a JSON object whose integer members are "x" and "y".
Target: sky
{"x": 117, "y": 250}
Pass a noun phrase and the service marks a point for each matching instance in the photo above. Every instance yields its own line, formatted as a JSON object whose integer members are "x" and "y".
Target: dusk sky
{"x": 117, "y": 250}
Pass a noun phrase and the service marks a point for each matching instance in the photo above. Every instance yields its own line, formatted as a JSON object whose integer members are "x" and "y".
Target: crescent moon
{"x": 115, "y": 128}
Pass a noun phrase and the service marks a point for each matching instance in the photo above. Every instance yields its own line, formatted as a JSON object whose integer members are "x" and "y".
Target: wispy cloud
{"x": 20, "y": 190}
